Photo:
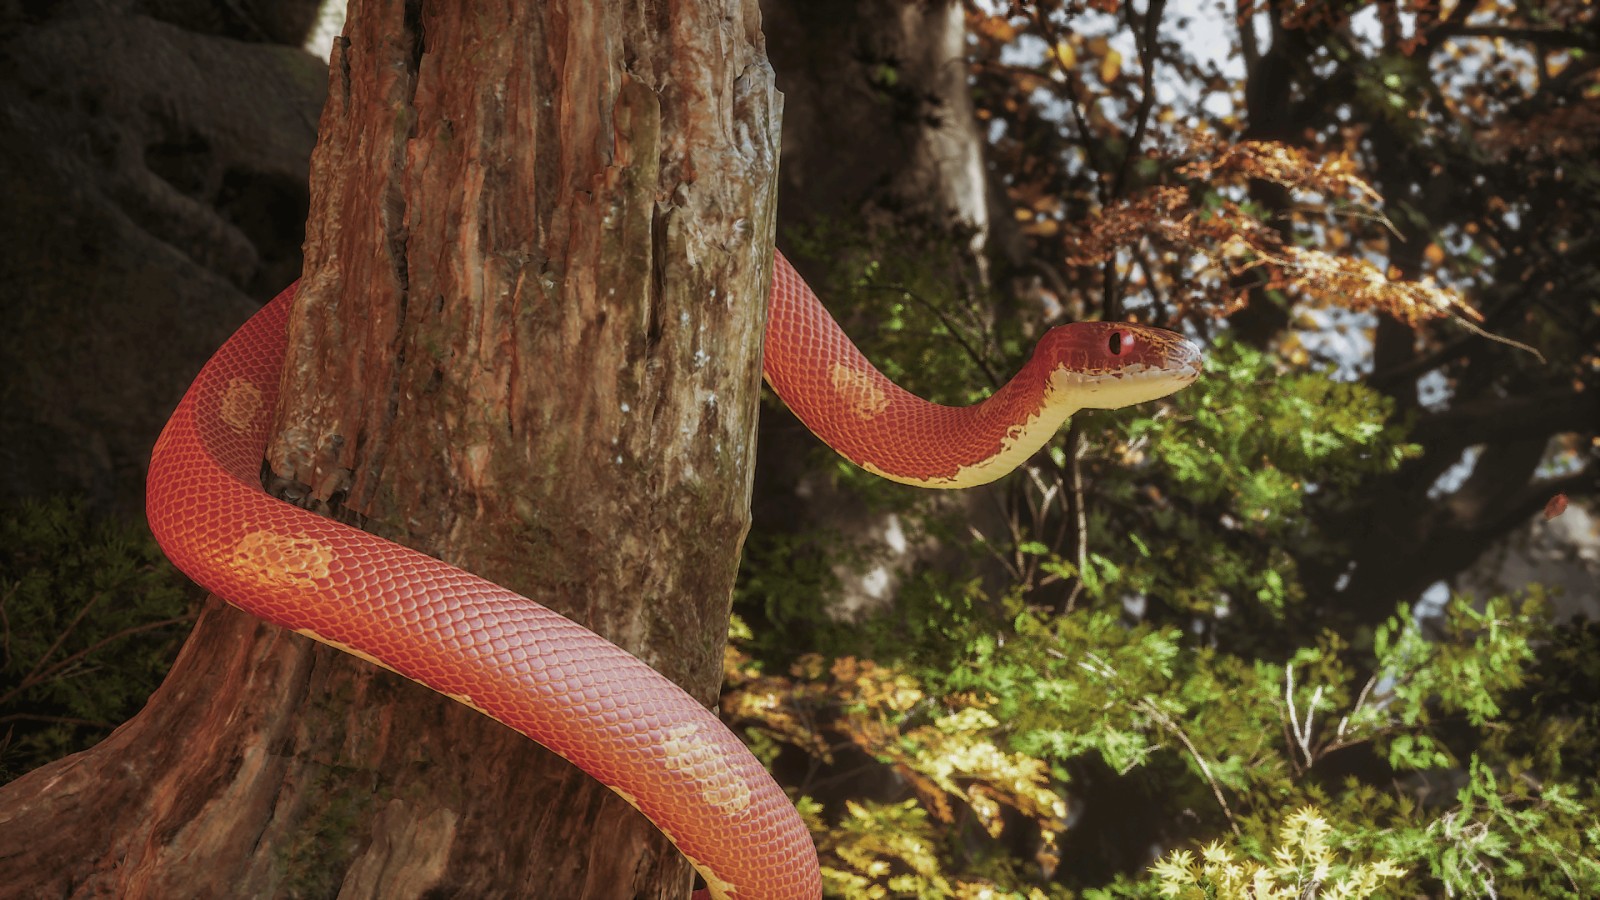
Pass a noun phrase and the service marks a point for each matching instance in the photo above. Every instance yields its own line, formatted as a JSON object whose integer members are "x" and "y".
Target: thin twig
{"x": 1205, "y": 769}
{"x": 1361, "y": 700}
{"x": 36, "y": 677}
{"x": 5, "y": 626}
{"x": 60, "y": 639}
{"x": 1288, "y": 698}
{"x": 57, "y": 720}
{"x": 977, "y": 358}
{"x": 1147, "y": 98}
{"x": 1078, "y": 516}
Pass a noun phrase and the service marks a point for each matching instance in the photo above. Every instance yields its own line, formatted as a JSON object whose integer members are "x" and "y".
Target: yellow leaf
{"x": 1064, "y": 54}
{"x": 1110, "y": 66}
{"x": 1434, "y": 253}
{"x": 997, "y": 28}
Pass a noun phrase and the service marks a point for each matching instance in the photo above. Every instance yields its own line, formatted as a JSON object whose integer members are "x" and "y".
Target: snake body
{"x": 544, "y": 675}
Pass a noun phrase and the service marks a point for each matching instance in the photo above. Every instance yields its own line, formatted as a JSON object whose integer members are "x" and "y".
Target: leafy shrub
{"x": 91, "y": 617}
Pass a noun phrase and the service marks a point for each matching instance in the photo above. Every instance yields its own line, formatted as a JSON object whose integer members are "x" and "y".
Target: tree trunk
{"x": 527, "y": 342}
{"x": 879, "y": 122}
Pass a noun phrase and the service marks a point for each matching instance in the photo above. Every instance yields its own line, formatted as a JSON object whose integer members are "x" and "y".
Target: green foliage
{"x": 1539, "y": 838}
{"x": 1305, "y": 863}
{"x": 948, "y": 753}
{"x": 93, "y": 616}
{"x": 1198, "y": 504}
{"x": 1234, "y": 745}
{"x": 1278, "y": 746}
{"x": 1244, "y": 455}
{"x": 891, "y": 850}
{"x": 1483, "y": 657}
{"x": 898, "y": 295}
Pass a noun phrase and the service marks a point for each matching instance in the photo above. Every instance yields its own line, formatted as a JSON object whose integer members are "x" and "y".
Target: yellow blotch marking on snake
{"x": 861, "y": 395}
{"x": 686, "y": 751}
{"x": 241, "y": 402}
{"x": 282, "y": 559}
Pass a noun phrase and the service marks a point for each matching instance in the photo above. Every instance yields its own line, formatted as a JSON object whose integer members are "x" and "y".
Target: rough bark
{"x": 529, "y": 344}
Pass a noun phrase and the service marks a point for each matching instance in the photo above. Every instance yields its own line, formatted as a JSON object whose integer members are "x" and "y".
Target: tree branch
{"x": 1531, "y": 415}
{"x": 1547, "y": 38}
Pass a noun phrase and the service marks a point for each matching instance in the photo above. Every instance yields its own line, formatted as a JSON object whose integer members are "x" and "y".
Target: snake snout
{"x": 1185, "y": 359}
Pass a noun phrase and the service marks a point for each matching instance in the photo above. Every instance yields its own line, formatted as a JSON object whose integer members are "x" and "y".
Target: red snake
{"x": 550, "y": 678}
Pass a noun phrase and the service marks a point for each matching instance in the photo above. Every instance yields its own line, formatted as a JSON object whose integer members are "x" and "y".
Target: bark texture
{"x": 528, "y": 343}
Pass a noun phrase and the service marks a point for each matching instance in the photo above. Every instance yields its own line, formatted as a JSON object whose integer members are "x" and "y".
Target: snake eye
{"x": 1116, "y": 343}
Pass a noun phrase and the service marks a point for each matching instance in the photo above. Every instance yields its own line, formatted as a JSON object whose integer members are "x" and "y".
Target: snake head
{"x": 1109, "y": 365}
